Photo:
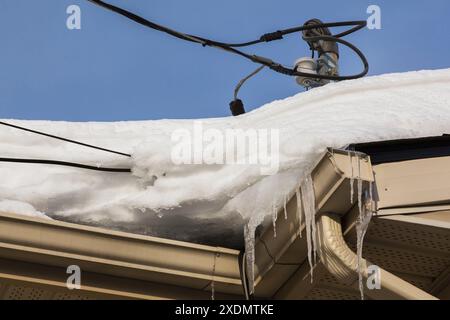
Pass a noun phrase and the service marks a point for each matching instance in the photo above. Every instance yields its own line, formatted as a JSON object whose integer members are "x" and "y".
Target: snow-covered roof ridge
{"x": 377, "y": 82}
{"x": 199, "y": 202}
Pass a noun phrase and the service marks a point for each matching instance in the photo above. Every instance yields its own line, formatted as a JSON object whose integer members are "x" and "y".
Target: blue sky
{"x": 113, "y": 69}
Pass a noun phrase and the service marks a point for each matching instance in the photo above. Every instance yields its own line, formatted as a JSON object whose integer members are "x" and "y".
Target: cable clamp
{"x": 277, "y": 35}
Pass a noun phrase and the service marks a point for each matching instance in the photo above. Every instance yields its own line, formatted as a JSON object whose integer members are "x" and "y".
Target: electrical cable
{"x": 237, "y": 106}
{"x": 63, "y": 163}
{"x": 63, "y": 139}
{"x": 67, "y": 164}
{"x": 241, "y": 83}
{"x": 268, "y": 37}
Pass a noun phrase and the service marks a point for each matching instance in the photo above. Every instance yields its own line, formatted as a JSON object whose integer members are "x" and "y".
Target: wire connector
{"x": 272, "y": 36}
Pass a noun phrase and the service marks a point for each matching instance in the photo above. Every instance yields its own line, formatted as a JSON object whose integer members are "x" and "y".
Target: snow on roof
{"x": 204, "y": 202}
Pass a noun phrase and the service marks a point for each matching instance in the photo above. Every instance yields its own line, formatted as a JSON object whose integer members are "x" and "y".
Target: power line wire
{"x": 63, "y": 139}
{"x": 64, "y": 163}
{"x": 241, "y": 83}
{"x": 277, "y": 35}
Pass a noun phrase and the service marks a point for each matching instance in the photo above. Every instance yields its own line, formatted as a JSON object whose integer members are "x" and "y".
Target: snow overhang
{"x": 182, "y": 269}
{"x": 36, "y": 253}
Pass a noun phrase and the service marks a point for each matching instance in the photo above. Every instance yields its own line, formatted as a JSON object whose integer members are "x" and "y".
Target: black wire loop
{"x": 277, "y": 35}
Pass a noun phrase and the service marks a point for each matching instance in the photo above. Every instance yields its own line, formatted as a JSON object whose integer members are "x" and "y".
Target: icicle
{"x": 365, "y": 216}
{"x": 212, "y": 290}
{"x": 274, "y": 219}
{"x": 249, "y": 234}
{"x": 309, "y": 207}
{"x": 359, "y": 186}
{"x": 299, "y": 209}
{"x": 213, "y": 275}
{"x": 352, "y": 179}
{"x": 352, "y": 182}
{"x": 285, "y": 208}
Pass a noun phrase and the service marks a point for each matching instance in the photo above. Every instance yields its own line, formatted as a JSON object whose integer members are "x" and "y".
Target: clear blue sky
{"x": 113, "y": 69}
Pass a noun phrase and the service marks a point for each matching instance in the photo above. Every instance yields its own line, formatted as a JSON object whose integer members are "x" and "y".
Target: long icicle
{"x": 249, "y": 235}
{"x": 358, "y": 231}
{"x": 216, "y": 255}
{"x": 285, "y": 208}
{"x": 361, "y": 229}
{"x": 365, "y": 216}
{"x": 352, "y": 179}
{"x": 309, "y": 207}
{"x": 299, "y": 209}
{"x": 274, "y": 219}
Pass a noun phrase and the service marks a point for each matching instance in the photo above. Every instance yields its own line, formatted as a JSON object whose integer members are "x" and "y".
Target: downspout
{"x": 342, "y": 263}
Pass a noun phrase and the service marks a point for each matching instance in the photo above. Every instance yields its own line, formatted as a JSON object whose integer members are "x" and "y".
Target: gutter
{"x": 119, "y": 255}
{"x": 279, "y": 259}
{"x": 282, "y": 270}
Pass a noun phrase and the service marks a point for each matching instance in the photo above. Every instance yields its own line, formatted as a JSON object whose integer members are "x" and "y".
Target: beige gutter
{"x": 286, "y": 253}
{"x": 282, "y": 271}
{"x": 118, "y": 254}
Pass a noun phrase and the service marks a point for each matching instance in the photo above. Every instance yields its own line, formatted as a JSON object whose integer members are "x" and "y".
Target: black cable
{"x": 237, "y": 106}
{"x": 277, "y": 35}
{"x": 63, "y": 163}
{"x": 241, "y": 83}
{"x": 63, "y": 139}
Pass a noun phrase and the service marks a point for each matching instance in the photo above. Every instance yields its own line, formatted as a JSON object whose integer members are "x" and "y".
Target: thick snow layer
{"x": 24, "y": 209}
{"x": 202, "y": 202}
